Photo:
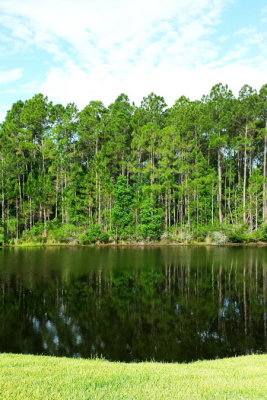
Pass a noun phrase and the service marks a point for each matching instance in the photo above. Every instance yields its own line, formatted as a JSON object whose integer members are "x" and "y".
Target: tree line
{"x": 127, "y": 172}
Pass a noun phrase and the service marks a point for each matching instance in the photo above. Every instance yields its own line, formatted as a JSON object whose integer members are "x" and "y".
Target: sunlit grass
{"x": 37, "y": 377}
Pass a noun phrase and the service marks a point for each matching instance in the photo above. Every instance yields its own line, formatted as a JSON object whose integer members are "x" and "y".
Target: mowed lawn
{"x": 37, "y": 377}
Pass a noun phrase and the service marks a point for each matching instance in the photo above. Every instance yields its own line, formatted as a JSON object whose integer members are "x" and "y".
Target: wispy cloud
{"x": 264, "y": 14}
{"x": 97, "y": 30}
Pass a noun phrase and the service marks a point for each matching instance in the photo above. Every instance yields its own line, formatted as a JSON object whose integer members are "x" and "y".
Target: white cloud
{"x": 11, "y": 75}
{"x": 74, "y": 84}
{"x": 3, "y": 110}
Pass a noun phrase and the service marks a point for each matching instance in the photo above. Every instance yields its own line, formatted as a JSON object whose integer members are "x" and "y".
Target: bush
{"x": 259, "y": 235}
{"x": 127, "y": 233}
{"x": 219, "y": 237}
{"x": 237, "y": 237}
{"x": 90, "y": 236}
{"x": 104, "y": 237}
{"x": 63, "y": 233}
{"x": 262, "y": 233}
{"x": 35, "y": 234}
{"x": 200, "y": 233}
{"x": 238, "y": 233}
{"x": 181, "y": 236}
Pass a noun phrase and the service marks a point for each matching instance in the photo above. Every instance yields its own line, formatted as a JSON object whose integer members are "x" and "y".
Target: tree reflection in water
{"x": 156, "y": 303}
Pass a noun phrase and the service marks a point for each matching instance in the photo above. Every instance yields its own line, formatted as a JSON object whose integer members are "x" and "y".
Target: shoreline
{"x": 136, "y": 244}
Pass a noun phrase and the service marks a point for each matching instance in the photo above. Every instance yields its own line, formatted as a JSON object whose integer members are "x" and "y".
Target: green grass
{"x": 37, "y": 377}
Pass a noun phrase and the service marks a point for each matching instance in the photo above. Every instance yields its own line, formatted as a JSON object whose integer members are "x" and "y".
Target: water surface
{"x": 134, "y": 304}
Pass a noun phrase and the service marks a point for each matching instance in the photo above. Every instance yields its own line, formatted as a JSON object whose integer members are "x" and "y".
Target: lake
{"x": 134, "y": 304}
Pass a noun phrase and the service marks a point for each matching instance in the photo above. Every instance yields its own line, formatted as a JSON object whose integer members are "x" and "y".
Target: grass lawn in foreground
{"x": 38, "y": 377}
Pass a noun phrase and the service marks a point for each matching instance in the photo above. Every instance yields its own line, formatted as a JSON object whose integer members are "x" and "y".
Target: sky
{"x": 83, "y": 50}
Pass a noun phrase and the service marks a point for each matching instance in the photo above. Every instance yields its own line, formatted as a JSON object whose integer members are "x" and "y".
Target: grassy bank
{"x": 36, "y": 377}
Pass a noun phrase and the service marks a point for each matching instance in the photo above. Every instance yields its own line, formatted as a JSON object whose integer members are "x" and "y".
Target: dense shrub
{"x": 53, "y": 232}
{"x": 237, "y": 237}
{"x": 94, "y": 235}
{"x": 36, "y": 234}
{"x": 63, "y": 233}
{"x": 90, "y": 236}
{"x": 263, "y": 233}
{"x": 259, "y": 235}
{"x": 218, "y": 237}
{"x": 104, "y": 237}
{"x": 238, "y": 234}
{"x": 200, "y": 233}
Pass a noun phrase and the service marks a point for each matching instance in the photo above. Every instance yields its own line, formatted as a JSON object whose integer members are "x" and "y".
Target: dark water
{"x": 160, "y": 303}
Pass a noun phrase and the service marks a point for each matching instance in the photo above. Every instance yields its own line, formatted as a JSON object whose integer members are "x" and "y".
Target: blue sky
{"x": 83, "y": 50}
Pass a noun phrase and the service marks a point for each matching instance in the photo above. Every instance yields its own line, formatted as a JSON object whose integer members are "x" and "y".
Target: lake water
{"x": 134, "y": 304}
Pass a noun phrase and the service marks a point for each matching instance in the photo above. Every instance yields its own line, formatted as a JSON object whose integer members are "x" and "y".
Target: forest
{"x": 196, "y": 171}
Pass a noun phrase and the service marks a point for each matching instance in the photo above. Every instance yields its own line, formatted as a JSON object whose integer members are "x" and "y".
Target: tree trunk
{"x": 212, "y": 206}
{"x": 264, "y": 193}
{"x": 3, "y": 193}
{"x": 245, "y": 175}
{"x": 220, "y": 186}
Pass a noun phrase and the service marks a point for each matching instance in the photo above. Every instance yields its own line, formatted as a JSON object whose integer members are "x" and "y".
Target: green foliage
{"x": 123, "y": 206}
{"x": 237, "y": 237}
{"x": 12, "y": 226}
{"x": 2, "y": 236}
{"x": 36, "y": 234}
{"x": 64, "y": 233}
{"x": 200, "y": 233}
{"x": 151, "y": 219}
{"x": 219, "y": 237}
{"x": 53, "y": 232}
{"x": 258, "y": 235}
{"x": 91, "y": 236}
{"x": 104, "y": 237}
{"x": 238, "y": 234}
